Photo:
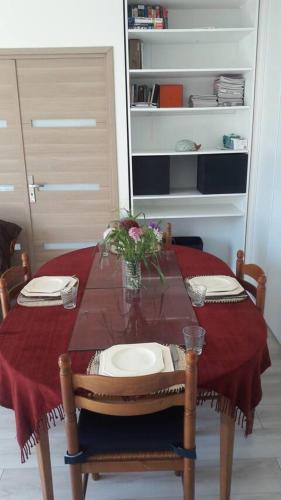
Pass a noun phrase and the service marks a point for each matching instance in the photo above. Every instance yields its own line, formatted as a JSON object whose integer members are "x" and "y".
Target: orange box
{"x": 171, "y": 96}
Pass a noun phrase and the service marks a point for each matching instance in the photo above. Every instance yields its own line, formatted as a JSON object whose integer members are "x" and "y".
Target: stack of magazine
{"x": 203, "y": 101}
{"x": 230, "y": 90}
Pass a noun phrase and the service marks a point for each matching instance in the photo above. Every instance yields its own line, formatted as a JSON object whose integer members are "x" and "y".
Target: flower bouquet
{"x": 134, "y": 243}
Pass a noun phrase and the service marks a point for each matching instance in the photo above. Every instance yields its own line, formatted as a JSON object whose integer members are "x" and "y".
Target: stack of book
{"x": 142, "y": 96}
{"x": 203, "y": 101}
{"x": 142, "y": 16}
{"x": 230, "y": 90}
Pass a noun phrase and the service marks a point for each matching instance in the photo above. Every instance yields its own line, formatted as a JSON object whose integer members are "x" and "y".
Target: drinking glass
{"x": 197, "y": 294}
{"x": 194, "y": 338}
{"x": 69, "y": 296}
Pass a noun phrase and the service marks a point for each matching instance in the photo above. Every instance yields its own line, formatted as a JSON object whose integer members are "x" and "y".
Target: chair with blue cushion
{"x": 129, "y": 424}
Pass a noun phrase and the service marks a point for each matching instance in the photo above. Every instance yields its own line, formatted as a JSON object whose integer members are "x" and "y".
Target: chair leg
{"x": 85, "y": 484}
{"x": 76, "y": 482}
{"x": 188, "y": 479}
{"x": 44, "y": 463}
{"x": 227, "y": 432}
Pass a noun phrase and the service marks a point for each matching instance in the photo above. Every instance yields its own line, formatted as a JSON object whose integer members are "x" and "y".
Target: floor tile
{"x": 269, "y": 416}
{"x": 258, "y": 476}
{"x": 7, "y": 423}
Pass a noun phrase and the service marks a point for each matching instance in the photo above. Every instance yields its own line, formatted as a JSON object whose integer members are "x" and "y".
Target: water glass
{"x": 194, "y": 338}
{"x": 197, "y": 294}
{"x": 69, "y": 296}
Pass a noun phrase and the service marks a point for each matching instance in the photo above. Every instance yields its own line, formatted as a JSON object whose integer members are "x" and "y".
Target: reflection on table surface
{"x": 110, "y": 314}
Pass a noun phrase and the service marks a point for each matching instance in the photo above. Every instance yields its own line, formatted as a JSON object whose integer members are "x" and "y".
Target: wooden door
{"x": 14, "y": 205}
{"x": 68, "y": 127}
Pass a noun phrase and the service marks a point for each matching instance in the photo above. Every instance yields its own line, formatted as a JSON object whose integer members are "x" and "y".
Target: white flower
{"x": 158, "y": 235}
{"x": 107, "y": 232}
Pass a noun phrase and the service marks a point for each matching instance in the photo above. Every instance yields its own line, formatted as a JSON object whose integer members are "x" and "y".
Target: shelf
{"x": 204, "y": 4}
{"x": 181, "y": 73}
{"x": 193, "y": 211}
{"x": 170, "y": 152}
{"x": 180, "y": 111}
{"x": 192, "y": 35}
{"x": 187, "y": 193}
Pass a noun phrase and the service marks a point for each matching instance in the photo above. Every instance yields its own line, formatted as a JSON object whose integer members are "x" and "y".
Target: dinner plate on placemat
{"x": 132, "y": 360}
{"x": 48, "y": 285}
{"x": 218, "y": 284}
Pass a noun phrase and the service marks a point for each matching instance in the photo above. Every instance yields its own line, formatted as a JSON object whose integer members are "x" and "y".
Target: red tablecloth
{"x": 31, "y": 339}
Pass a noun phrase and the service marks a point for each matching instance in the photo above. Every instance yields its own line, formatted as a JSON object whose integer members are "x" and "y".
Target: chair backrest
{"x": 128, "y": 396}
{"x": 256, "y": 273}
{"x": 167, "y": 234}
{"x": 12, "y": 281}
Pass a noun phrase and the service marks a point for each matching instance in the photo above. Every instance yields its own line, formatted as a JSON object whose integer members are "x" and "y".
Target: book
{"x": 135, "y": 54}
{"x": 155, "y": 95}
{"x": 171, "y": 96}
{"x": 143, "y": 16}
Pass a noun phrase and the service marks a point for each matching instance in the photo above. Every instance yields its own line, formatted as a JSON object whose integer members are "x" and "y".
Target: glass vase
{"x": 131, "y": 274}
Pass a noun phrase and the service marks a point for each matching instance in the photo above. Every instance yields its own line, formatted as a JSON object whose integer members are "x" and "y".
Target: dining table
{"x": 32, "y": 338}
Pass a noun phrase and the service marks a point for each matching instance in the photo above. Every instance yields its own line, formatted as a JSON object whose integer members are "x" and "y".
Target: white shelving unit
{"x": 205, "y": 39}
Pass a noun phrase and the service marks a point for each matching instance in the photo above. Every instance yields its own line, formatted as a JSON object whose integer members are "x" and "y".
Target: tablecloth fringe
{"x": 49, "y": 420}
{"x": 222, "y": 404}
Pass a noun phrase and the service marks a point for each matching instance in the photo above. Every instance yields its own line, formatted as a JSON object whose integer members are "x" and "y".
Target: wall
{"x": 74, "y": 23}
{"x": 264, "y": 222}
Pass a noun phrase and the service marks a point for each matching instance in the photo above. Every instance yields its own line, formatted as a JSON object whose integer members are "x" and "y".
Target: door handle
{"x": 31, "y": 188}
{"x": 36, "y": 186}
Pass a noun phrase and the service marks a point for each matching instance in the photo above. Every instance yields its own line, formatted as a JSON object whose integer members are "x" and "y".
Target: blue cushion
{"x": 161, "y": 431}
{"x": 105, "y": 433}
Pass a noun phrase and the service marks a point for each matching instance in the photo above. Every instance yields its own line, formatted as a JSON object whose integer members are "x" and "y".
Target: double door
{"x": 58, "y": 174}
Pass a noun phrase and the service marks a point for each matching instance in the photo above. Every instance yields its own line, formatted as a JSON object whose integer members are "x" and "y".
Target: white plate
{"x": 217, "y": 284}
{"x": 132, "y": 360}
{"x": 48, "y": 285}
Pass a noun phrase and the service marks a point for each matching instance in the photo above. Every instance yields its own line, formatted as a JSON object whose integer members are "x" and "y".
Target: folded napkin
{"x": 38, "y": 301}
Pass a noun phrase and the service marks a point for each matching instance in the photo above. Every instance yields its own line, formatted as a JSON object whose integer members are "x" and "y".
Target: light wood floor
{"x": 256, "y": 470}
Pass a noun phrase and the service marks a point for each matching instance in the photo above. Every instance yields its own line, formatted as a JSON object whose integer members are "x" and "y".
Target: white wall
{"x": 264, "y": 223}
{"x": 74, "y": 23}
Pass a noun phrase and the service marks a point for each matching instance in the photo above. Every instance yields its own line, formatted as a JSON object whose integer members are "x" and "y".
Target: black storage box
{"x": 188, "y": 241}
{"x": 151, "y": 175}
{"x": 222, "y": 173}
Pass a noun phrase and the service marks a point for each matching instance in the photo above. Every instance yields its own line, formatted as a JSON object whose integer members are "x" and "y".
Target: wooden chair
{"x": 116, "y": 432}
{"x": 12, "y": 246}
{"x": 167, "y": 234}
{"x": 256, "y": 273}
{"x": 12, "y": 281}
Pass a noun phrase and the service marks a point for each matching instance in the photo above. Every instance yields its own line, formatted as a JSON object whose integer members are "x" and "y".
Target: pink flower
{"x": 135, "y": 233}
